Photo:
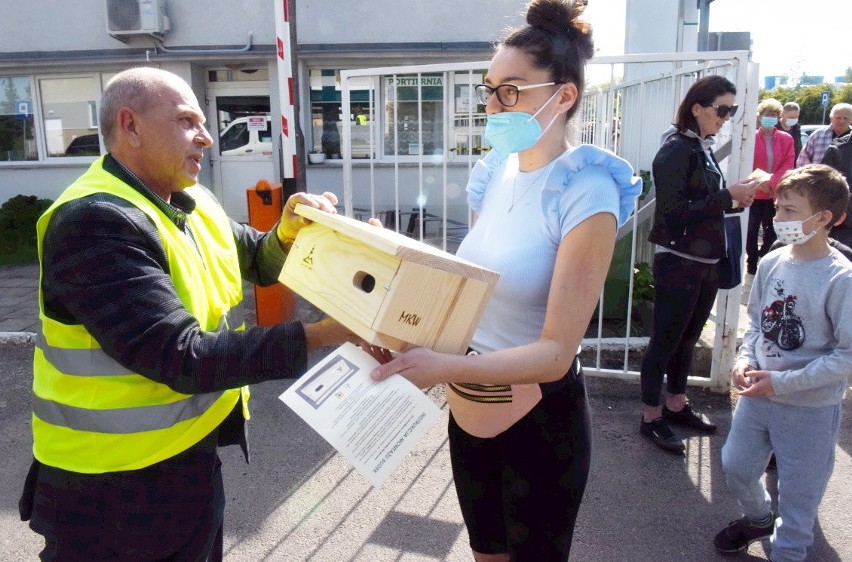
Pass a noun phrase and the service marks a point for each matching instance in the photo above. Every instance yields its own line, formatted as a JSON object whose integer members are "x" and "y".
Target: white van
{"x": 250, "y": 135}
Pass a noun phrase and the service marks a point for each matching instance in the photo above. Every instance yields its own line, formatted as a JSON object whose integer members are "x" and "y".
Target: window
{"x": 327, "y": 115}
{"x": 93, "y": 114}
{"x": 17, "y": 124}
{"x": 414, "y": 114}
{"x": 408, "y": 119}
{"x": 245, "y": 125}
{"x": 234, "y": 136}
{"x": 66, "y": 106}
{"x": 50, "y": 117}
{"x": 260, "y": 74}
{"x": 468, "y": 125}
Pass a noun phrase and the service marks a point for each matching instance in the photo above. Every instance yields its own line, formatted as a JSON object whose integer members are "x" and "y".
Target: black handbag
{"x": 730, "y": 266}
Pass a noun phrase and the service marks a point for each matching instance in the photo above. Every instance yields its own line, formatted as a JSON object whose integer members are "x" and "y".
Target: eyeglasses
{"x": 507, "y": 94}
{"x": 724, "y": 110}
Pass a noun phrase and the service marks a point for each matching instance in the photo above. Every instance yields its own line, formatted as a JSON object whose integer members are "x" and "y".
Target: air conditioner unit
{"x": 136, "y": 17}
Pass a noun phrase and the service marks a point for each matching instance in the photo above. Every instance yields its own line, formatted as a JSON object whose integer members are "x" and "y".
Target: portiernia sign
{"x": 412, "y": 81}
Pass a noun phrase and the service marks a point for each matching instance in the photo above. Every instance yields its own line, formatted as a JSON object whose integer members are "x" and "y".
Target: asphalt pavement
{"x": 299, "y": 500}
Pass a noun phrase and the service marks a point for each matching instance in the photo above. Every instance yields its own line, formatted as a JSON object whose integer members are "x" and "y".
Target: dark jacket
{"x": 839, "y": 156}
{"x": 105, "y": 266}
{"x": 691, "y": 199}
{"x": 795, "y": 132}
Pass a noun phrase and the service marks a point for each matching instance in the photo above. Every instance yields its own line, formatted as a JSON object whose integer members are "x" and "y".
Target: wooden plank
{"x": 353, "y": 272}
{"x": 418, "y": 304}
{"x": 328, "y": 269}
{"x": 464, "y": 315}
{"x": 396, "y": 244}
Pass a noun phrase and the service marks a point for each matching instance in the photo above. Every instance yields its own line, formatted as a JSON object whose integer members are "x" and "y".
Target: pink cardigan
{"x": 782, "y": 147}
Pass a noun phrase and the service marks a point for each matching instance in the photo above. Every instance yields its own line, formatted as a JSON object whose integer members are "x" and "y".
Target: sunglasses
{"x": 724, "y": 110}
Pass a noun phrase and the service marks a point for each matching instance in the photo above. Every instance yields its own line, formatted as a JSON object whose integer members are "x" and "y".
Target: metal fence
{"x": 629, "y": 102}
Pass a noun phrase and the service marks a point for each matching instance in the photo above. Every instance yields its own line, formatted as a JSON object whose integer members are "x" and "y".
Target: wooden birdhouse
{"x": 389, "y": 289}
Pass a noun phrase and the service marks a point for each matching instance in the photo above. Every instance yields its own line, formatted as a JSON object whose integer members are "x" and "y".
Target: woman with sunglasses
{"x": 546, "y": 216}
{"x": 689, "y": 238}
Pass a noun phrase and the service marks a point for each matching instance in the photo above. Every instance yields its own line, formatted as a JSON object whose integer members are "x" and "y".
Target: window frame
{"x": 383, "y": 107}
{"x": 412, "y": 158}
{"x": 35, "y": 117}
{"x": 43, "y": 158}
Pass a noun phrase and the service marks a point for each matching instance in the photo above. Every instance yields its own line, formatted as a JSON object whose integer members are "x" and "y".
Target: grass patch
{"x": 19, "y": 255}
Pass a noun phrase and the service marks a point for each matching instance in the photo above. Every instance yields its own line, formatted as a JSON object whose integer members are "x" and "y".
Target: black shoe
{"x": 688, "y": 418}
{"x": 741, "y": 533}
{"x": 658, "y": 431}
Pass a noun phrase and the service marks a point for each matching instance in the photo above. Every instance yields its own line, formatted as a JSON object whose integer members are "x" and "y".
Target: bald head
{"x": 139, "y": 89}
{"x": 841, "y": 118}
{"x": 153, "y": 126}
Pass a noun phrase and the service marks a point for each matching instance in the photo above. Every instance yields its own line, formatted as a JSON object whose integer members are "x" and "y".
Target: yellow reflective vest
{"x": 93, "y": 415}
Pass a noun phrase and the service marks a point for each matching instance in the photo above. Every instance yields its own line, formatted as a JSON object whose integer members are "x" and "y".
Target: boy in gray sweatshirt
{"x": 792, "y": 370}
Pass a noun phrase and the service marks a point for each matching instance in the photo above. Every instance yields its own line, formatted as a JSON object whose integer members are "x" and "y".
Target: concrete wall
{"x": 661, "y": 26}
{"x": 43, "y": 25}
{"x": 58, "y": 37}
{"x": 405, "y": 21}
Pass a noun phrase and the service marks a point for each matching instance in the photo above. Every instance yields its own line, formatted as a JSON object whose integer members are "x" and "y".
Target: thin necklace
{"x": 543, "y": 173}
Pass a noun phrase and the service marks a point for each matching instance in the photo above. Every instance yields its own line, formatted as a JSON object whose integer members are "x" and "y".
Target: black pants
{"x": 759, "y": 216}
{"x": 520, "y": 491}
{"x": 171, "y": 511}
{"x": 685, "y": 291}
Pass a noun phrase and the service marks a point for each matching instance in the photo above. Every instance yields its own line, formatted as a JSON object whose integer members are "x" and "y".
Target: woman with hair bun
{"x": 546, "y": 216}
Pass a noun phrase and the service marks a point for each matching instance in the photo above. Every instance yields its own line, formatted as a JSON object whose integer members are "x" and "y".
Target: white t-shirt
{"x": 521, "y": 245}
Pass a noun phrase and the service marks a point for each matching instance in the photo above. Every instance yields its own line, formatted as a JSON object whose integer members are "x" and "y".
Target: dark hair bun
{"x": 562, "y": 18}
{"x": 556, "y": 40}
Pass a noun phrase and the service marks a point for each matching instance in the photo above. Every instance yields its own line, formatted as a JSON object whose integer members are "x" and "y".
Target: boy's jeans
{"x": 804, "y": 441}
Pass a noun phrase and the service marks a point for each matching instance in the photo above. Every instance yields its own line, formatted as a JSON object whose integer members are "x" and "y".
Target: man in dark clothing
{"x": 789, "y": 123}
{"x": 142, "y": 362}
{"x": 839, "y": 156}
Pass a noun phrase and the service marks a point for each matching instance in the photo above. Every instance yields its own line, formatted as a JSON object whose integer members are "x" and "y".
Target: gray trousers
{"x": 803, "y": 440}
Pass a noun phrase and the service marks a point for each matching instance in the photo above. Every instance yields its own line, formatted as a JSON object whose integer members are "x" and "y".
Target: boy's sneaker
{"x": 687, "y": 417}
{"x": 658, "y": 431}
{"x": 741, "y": 533}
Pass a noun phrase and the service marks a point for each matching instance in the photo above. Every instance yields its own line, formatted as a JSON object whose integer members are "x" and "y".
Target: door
{"x": 240, "y": 123}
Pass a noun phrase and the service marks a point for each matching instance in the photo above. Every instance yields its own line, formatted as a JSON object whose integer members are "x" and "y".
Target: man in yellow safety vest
{"x": 143, "y": 360}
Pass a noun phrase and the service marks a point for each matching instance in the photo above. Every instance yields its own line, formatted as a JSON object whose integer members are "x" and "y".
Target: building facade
{"x": 57, "y": 56}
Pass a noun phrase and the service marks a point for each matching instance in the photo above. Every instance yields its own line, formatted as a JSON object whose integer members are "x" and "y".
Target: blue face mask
{"x": 514, "y": 131}
{"x": 768, "y": 122}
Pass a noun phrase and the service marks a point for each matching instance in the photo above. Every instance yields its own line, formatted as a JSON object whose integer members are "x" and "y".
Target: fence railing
{"x": 629, "y": 102}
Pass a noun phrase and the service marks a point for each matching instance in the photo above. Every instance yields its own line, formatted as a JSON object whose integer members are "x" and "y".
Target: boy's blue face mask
{"x": 514, "y": 131}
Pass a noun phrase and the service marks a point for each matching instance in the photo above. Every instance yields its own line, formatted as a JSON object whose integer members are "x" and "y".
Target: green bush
{"x": 809, "y": 99}
{"x": 18, "y": 217}
{"x": 647, "y": 184}
{"x": 643, "y": 283}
